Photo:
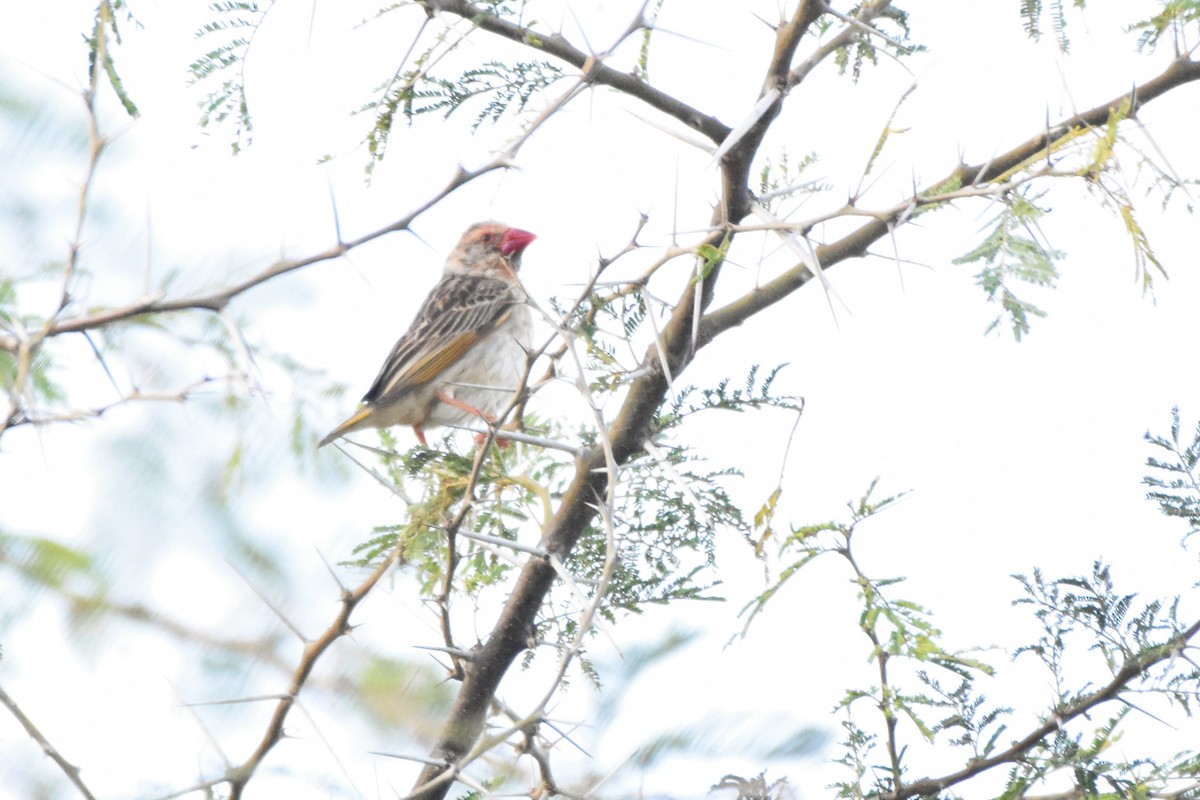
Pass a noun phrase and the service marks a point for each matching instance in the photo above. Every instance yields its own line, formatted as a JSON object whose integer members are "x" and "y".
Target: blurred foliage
{"x": 106, "y": 33}
{"x": 1034, "y": 13}
{"x": 728, "y": 736}
{"x": 1172, "y": 20}
{"x": 47, "y": 562}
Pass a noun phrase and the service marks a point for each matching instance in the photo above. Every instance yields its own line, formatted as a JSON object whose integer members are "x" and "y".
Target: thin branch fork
{"x": 238, "y": 777}
{"x": 25, "y": 416}
{"x": 737, "y": 150}
{"x": 25, "y": 345}
{"x": 854, "y": 27}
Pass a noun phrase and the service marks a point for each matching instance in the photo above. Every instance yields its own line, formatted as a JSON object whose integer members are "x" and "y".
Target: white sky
{"x": 1017, "y": 455}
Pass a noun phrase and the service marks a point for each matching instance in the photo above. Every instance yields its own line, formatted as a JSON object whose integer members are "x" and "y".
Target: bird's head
{"x": 490, "y": 248}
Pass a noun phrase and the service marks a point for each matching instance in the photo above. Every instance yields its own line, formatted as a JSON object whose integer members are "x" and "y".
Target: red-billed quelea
{"x": 464, "y": 354}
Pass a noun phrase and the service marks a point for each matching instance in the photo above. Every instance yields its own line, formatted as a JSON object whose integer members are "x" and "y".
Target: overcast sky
{"x": 1016, "y": 454}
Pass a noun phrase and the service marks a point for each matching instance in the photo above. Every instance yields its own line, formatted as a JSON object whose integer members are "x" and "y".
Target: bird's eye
{"x": 487, "y": 238}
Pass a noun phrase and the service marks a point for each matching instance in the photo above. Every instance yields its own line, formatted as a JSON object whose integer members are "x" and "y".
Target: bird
{"x": 465, "y": 352}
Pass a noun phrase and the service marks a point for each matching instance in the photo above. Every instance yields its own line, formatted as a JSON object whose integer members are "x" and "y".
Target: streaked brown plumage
{"x": 464, "y": 354}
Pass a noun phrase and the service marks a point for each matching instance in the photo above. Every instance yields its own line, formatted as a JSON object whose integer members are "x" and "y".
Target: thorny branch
{"x": 855, "y": 244}
{"x": 217, "y": 299}
{"x": 71, "y": 771}
{"x": 239, "y": 776}
{"x": 25, "y": 344}
{"x": 442, "y": 600}
{"x": 135, "y": 396}
{"x": 557, "y": 45}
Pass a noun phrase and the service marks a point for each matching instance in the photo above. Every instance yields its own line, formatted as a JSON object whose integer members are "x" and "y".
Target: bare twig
{"x": 498, "y": 542}
{"x": 202, "y": 786}
{"x": 69, "y": 769}
{"x": 35, "y": 418}
{"x": 23, "y": 344}
{"x": 278, "y": 612}
{"x": 238, "y": 777}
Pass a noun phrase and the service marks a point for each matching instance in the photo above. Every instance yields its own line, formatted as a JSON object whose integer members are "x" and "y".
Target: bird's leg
{"x": 449, "y": 399}
{"x": 420, "y": 432}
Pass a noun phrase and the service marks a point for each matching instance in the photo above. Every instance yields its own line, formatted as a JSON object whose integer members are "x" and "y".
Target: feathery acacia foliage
{"x": 1180, "y": 495}
{"x": 229, "y": 37}
{"x": 927, "y": 696}
{"x": 1011, "y": 252}
{"x": 1034, "y": 12}
{"x": 501, "y": 88}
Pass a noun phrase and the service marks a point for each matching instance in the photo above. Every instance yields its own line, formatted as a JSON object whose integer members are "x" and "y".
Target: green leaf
{"x": 1011, "y": 253}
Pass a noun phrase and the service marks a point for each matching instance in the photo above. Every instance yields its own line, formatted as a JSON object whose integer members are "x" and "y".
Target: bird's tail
{"x": 352, "y": 424}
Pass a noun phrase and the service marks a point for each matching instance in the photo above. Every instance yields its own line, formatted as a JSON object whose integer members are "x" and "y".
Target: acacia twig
{"x": 855, "y": 243}
{"x": 1133, "y": 668}
{"x": 239, "y": 776}
{"x": 69, "y": 769}
{"x": 217, "y": 299}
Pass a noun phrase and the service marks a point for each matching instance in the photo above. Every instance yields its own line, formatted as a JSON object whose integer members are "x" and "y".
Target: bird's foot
{"x": 449, "y": 399}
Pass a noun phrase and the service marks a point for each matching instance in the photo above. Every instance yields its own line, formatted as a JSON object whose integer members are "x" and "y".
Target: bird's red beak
{"x": 515, "y": 240}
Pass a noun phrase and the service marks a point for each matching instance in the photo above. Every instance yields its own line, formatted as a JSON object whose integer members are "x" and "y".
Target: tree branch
{"x": 239, "y": 776}
{"x": 217, "y": 300}
{"x": 738, "y": 149}
{"x": 71, "y": 771}
{"x": 854, "y": 244}
{"x": 1134, "y": 667}
{"x": 557, "y": 45}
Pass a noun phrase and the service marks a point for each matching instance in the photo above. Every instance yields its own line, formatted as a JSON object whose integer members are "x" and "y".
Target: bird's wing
{"x": 461, "y": 309}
